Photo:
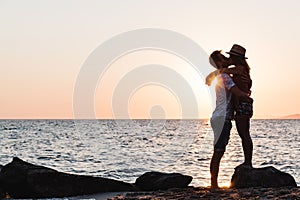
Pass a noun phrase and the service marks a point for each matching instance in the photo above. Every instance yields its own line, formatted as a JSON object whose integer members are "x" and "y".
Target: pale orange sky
{"x": 45, "y": 43}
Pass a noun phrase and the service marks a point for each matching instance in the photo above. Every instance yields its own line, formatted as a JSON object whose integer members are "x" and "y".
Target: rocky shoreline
{"x": 20, "y": 179}
{"x": 194, "y": 193}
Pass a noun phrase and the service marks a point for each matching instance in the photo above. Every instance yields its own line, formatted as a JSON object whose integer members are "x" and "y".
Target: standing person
{"x": 223, "y": 113}
{"x": 243, "y": 108}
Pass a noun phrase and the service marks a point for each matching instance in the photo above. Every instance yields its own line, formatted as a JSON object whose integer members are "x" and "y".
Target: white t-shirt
{"x": 224, "y": 107}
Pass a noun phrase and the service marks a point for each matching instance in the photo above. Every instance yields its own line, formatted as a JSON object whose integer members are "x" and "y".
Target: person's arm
{"x": 240, "y": 94}
{"x": 210, "y": 77}
{"x": 233, "y": 70}
{"x": 231, "y": 86}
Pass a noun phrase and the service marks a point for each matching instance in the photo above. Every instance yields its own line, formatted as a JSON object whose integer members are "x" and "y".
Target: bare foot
{"x": 248, "y": 166}
{"x": 213, "y": 187}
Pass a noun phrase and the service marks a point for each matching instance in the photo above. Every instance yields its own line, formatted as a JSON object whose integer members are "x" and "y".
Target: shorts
{"x": 244, "y": 109}
{"x": 221, "y": 128}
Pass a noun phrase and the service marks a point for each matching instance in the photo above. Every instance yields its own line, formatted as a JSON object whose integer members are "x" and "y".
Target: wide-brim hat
{"x": 238, "y": 50}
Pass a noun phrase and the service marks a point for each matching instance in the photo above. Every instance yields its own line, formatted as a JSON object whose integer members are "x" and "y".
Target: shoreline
{"x": 191, "y": 193}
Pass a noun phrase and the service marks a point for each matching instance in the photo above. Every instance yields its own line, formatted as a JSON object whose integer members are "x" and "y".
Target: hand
{"x": 249, "y": 93}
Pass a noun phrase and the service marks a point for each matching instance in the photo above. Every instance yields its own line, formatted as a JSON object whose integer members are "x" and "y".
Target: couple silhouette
{"x": 233, "y": 101}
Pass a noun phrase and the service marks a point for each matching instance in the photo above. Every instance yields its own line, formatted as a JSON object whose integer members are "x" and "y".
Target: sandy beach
{"x": 191, "y": 193}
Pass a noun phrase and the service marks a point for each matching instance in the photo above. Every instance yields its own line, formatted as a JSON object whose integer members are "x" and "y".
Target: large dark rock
{"x": 162, "y": 181}
{"x": 24, "y": 180}
{"x": 2, "y": 192}
{"x": 245, "y": 177}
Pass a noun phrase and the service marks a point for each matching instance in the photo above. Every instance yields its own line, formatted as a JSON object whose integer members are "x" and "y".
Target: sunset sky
{"x": 44, "y": 44}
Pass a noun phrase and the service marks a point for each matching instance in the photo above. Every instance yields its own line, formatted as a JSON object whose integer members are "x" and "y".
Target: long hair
{"x": 240, "y": 61}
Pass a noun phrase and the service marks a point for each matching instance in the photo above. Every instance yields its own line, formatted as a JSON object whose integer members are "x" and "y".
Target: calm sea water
{"x": 125, "y": 149}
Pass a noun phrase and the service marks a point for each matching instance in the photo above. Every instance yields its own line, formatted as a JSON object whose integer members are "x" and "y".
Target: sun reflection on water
{"x": 103, "y": 150}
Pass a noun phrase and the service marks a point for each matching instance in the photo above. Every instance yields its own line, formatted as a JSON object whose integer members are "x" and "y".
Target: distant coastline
{"x": 294, "y": 116}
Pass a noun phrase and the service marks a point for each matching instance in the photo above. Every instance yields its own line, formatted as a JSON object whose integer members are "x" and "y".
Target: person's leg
{"x": 243, "y": 126}
{"x": 214, "y": 168}
{"x": 219, "y": 149}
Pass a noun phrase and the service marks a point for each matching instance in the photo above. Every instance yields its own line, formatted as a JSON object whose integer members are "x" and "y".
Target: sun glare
{"x": 151, "y": 94}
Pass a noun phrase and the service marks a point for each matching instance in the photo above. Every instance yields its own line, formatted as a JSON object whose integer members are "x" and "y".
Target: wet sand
{"x": 191, "y": 193}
